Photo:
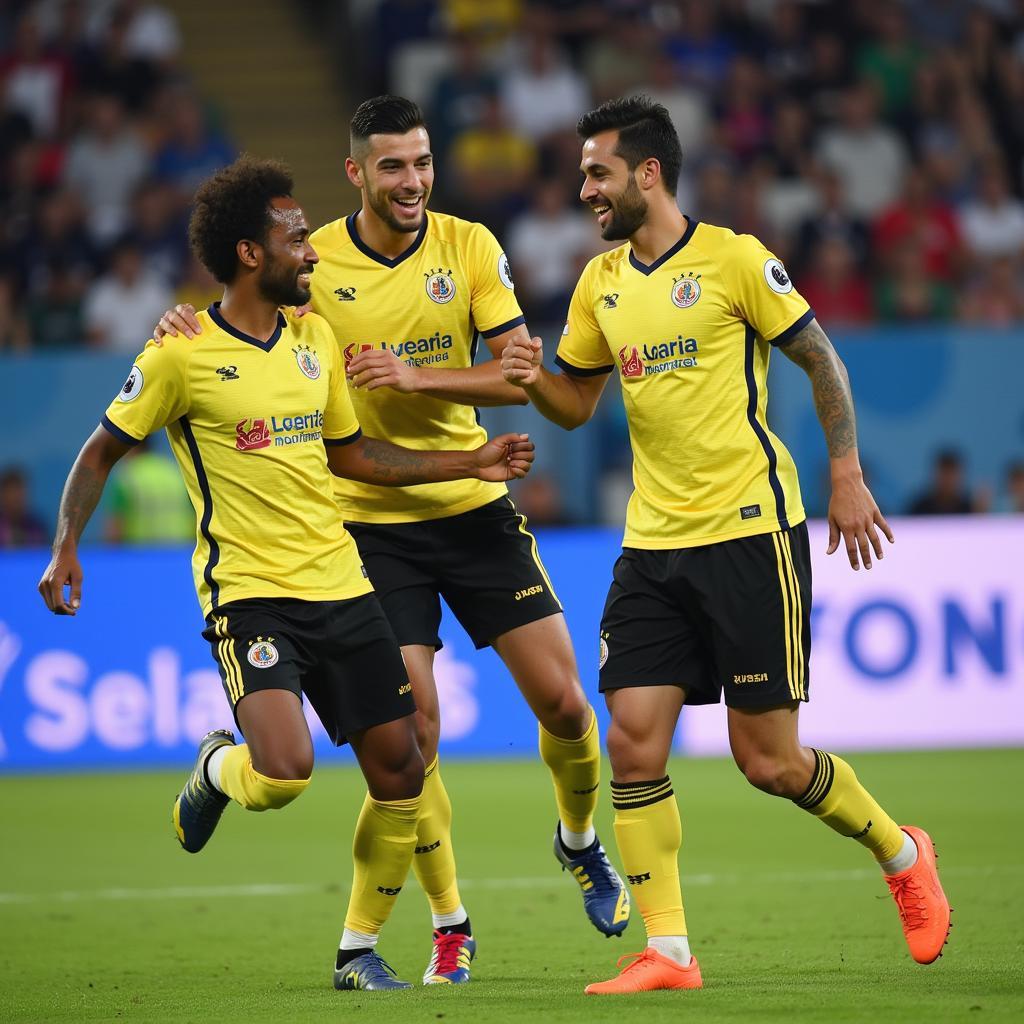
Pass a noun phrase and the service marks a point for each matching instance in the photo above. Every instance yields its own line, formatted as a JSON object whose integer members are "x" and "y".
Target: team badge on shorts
{"x": 440, "y": 286}
{"x": 604, "y": 652}
{"x": 685, "y": 290}
{"x": 262, "y": 653}
{"x": 308, "y": 362}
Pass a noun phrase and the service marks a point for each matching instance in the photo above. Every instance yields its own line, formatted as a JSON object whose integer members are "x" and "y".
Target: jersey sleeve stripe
{"x": 502, "y": 328}
{"x": 204, "y": 522}
{"x": 790, "y": 332}
{"x": 336, "y": 441}
{"x": 582, "y": 371}
{"x": 760, "y": 432}
{"x": 121, "y": 435}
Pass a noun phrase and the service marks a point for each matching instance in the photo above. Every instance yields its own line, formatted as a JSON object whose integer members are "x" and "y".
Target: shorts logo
{"x": 251, "y": 434}
{"x": 685, "y": 290}
{"x": 750, "y": 512}
{"x": 639, "y": 879}
{"x": 632, "y": 364}
{"x": 504, "y": 273}
{"x": 529, "y": 592}
{"x": 262, "y": 653}
{"x": 776, "y": 276}
{"x": 604, "y": 652}
{"x": 307, "y": 360}
{"x": 749, "y": 677}
{"x": 132, "y": 387}
{"x": 440, "y": 286}
{"x": 405, "y": 688}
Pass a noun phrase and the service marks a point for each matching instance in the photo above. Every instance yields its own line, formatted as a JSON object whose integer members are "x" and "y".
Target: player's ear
{"x": 649, "y": 173}
{"x": 354, "y": 172}
{"x": 248, "y": 253}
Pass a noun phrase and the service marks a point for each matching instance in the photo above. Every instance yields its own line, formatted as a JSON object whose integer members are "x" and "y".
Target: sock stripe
{"x": 632, "y": 795}
{"x": 821, "y": 781}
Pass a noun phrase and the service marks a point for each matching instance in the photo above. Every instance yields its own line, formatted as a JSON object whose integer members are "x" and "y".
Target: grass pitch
{"x": 103, "y": 918}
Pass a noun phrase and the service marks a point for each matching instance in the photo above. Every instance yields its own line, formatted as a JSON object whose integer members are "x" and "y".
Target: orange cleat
{"x": 649, "y": 971}
{"x": 924, "y": 909}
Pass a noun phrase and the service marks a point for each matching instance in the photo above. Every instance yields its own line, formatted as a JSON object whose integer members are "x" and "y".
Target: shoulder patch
{"x": 505, "y": 273}
{"x": 132, "y": 387}
{"x": 776, "y": 277}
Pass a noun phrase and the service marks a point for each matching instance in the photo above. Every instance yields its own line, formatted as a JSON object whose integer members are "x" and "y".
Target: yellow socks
{"x": 649, "y": 835}
{"x": 841, "y": 802}
{"x": 255, "y": 792}
{"x": 434, "y": 860}
{"x": 575, "y": 767}
{"x": 382, "y": 848}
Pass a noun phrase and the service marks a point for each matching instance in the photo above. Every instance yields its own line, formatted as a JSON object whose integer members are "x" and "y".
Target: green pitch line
{"x": 103, "y": 918}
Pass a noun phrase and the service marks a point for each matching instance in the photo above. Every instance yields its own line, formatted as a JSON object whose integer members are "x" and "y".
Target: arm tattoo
{"x": 811, "y": 350}
{"x": 392, "y": 464}
{"x": 78, "y": 502}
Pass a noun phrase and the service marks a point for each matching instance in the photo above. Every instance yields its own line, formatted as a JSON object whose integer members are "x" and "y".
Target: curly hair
{"x": 645, "y": 129}
{"x": 232, "y": 205}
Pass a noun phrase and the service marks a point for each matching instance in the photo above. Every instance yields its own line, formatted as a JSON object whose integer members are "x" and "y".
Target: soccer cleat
{"x": 450, "y": 960}
{"x": 368, "y": 972}
{"x": 923, "y": 907}
{"x": 605, "y": 898}
{"x": 648, "y": 972}
{"x": 198, "y": 807}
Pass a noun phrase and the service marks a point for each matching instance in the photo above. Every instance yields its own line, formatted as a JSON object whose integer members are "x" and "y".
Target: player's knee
{"x": 267, "y": 793}
{"x": 400, "y": 777}
{"x": 769, "y": 774}
{"x": 567, "y": 712}
{"x": 286, "y": 765}
{"x": 428, "y": 732}
{"x": 630, "y": 759}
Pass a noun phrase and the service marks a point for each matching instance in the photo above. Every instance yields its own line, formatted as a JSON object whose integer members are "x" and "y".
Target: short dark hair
{"x": 645, "y": 130}
{"x": 232, "y": 205}
{"x": 383, "y": 115}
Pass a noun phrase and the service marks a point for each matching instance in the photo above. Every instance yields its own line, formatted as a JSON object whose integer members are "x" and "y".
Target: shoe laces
{"x": 447, "y": 946}
{"x": 375, "y": 966}
{"x": 910, "y": 901}
{"x": 638, "y": 960}
{"x": 602, "y": 874}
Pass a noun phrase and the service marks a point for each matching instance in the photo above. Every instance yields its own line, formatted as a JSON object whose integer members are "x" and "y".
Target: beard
{"x": 283, "y": 289}
{"x": 380, "y": 203}
{"x": 628, "y": 214}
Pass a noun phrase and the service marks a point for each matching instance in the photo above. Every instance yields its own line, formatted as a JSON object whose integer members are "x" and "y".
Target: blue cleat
{"x": 198, "y": 807}
{"x": 605, "y": 898}
{"x": 449, "y": 963}
{"x": 368, "y": 972}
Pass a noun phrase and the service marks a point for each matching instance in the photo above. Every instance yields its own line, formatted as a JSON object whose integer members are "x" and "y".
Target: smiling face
{"x": 395, "y": 174}
{"x": 610, "y": 188}
{"x": 288, "y": 258}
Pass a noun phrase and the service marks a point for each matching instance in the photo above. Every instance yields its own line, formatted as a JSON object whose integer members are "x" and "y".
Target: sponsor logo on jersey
{"x": 132, "y": 386}
{"x": 505, "y": 272}
{"x": 415, "y": 351}
{"x": 251, "y": 434}
{"x": 262, "y": 653}
{"x": 440, "y": 286}
{"x": 631, "y": 363}
{"x": 345, "y": 294}
{"x": 349, "y": 352}
{"x": 685, "y": 290}
{"x": 776, "y": 276}
{"x": 611, "y": 301}
{"x": 308, "y": 362}
{"x": 227, "y": 372}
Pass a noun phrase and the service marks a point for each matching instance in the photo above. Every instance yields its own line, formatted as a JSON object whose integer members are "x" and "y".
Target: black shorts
{"x": 733, "y": 616}
{"x": 341, "y": 654}
{"x": 483, "y": 562}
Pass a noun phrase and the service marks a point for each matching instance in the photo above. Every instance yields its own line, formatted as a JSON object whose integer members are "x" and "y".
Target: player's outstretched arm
{"x": 372, "y": 461}
{"x": 480, "y": 385}
{"x": 560, "y": 397}
{"x": 852, "y": 512}
{"x": 82, "y": 491}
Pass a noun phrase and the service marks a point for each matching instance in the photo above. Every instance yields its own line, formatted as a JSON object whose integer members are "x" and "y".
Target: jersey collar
{"x": 691, "y": 226}
{"x": 267, "y": 345}
{"x": 353, "y": 231}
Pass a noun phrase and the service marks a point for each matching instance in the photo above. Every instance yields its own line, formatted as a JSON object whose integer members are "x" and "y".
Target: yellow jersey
{"x": 427, "y": 307}
{"x": 247, "y": 421}
{"x": 690, "y": 336}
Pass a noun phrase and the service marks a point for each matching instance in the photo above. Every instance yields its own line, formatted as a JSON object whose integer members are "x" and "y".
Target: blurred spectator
{"x": 193, "y": 151}
{"x": 105, "y": 165}
{"x": 54, "y": 312}
{"x": 148, "y": 503}
{"x": 827, "y": 80}
{"x": 715, "y": 197}
{"x": 109, "y": 66}
{"x": 832, "y": 220}
{"x": 539, "y": 498}
{"x": 492, "y": 20}
{"x": 1012, "y": 500}
{"x": 993, "y": 222}
{"x": 742, "y": 116}
{"x": 919, "y": 218}
{"x": 152, "y": 31}
{"x": 791, "y": 193}
{"x": 702, "y": 51}
{"x": 947, "y": 493}
{"x": 33, "y": 82}
{"x": 867, "y": 154}
{"x": 547, "y": 247}
{"x": 122, "y": 307}
{"x": 199, "y": 287}
{"x": 907, "y": 293}
{"x": 391, "y": 25}
{"x": 59, "y": 235}
{"x": 687, "y": 106}
{"x": 541, "y": 91}
{"x": 13, "y": 333}
{"x": 891, "y": 60}
{"x": 834, "y": 287}
{"x": 460, "y": 95}
{"x": 995, "y": 298}
{"x": 160, "y": 230}
{"x": 787, "y": 49}
{"x": 619, "y": 59}
{"x": 19, "y": 526}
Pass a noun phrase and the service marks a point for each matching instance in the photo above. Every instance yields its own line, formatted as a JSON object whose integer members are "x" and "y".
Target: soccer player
{"x": 406, "y": 293}
{"x": 258, "y": 415}
{"x": 712, "y": 591}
